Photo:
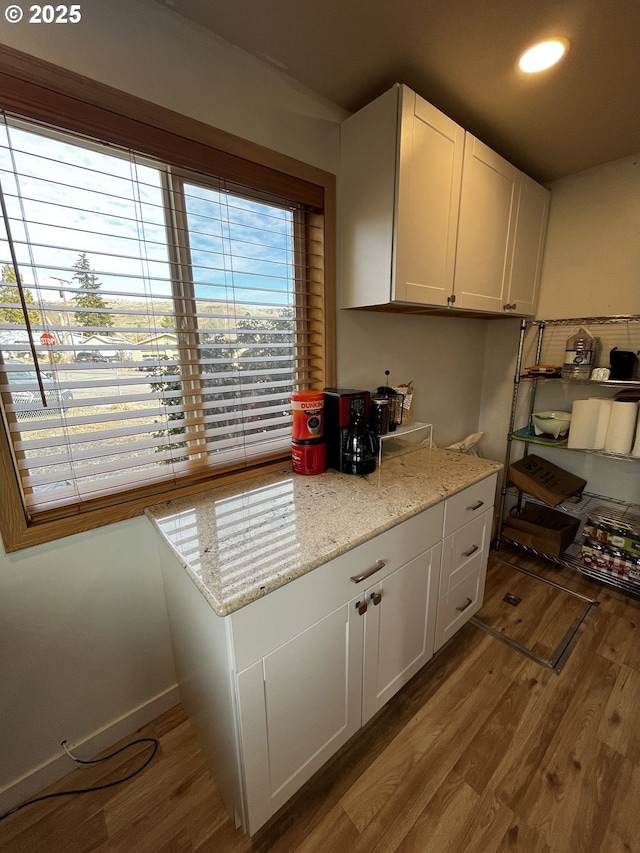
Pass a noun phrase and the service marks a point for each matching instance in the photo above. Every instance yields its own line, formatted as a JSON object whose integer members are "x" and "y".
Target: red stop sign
{"x": 47, "y": 339}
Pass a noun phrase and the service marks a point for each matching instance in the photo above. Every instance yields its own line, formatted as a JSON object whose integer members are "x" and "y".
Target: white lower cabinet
{"x": 295, "y": 674}
{"x": 297, "y": 706}
{"x": 459, "y": 604}
{"x": 399, "y": 627}
{"x": 465, "y": 551}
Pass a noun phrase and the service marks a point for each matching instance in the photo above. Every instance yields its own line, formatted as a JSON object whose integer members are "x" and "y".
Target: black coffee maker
{"x": 342, "y": 407}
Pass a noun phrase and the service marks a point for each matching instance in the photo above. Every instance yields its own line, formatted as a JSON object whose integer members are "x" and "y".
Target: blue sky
{"x": 241, "y": 243}
{"x": 234, "y": 241}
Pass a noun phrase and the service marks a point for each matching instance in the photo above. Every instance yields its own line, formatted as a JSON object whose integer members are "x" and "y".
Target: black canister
{"x": 623, "y": 363}
{"x": 380, "y": 413}
{"x": 396, "y": 403}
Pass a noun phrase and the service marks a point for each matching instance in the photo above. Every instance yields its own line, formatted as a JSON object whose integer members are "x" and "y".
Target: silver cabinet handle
{"x": 471, "y": 551}
{"x": 376, "y": 597}
{"x": 465, "y": 605}
{"x": 476, "y": 506}
{"x": 361, "y": 607}
{"x": 359, "y": 578}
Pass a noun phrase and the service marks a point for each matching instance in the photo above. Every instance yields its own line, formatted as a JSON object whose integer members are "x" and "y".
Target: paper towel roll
{"x": 622, "y": 424}
{"x": 602, "y": 426}
{"x": 584, "y": 422}
{"x": 636, "y": 445}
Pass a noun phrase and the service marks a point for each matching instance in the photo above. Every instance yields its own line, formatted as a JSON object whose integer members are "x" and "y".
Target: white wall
{"x": 591, "y": 268}
{"x": 592, "y": 255}
{"x": 442, "y": 356}
{"x": 142, "y": 48}
{"x": 85, "y": 653}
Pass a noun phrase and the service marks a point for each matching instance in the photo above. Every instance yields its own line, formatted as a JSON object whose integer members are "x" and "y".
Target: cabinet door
{"x": 461, "y": 550}
{"x": 469, "y": 504}
{"x": 428, "y": 198}
{"x": 297, "y": 706}
{"x": 399, "y": 629}
{"x": 458, "y": 605}
{"x": 530, "y": 231}
{"x": 486, "y": 228}
{"x": 369, "y": 148}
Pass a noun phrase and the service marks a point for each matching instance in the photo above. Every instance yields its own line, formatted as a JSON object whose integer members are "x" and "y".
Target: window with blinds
{"x": 153, "y": 321}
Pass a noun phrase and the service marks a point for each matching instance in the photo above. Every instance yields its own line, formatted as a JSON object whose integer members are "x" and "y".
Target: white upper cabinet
{"x": 430, "y": 216}
{"x": 427, "y": 202}
{"x": 528, "y": 247}
{"x": 485, "y": 228}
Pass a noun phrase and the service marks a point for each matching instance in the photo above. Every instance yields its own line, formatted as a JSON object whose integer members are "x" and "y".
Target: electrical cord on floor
{"x": 151, "y": 740}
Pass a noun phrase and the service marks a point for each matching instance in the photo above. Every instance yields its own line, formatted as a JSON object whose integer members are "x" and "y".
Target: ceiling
{"x": 461, "y": 56}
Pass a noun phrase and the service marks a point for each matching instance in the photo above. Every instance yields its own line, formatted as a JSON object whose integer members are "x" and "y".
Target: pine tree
{"x": 8, "y": 273}
{"x": 10, "y": 295}
{"x": 89, "y": 302}
{"x": 257, "y": 344}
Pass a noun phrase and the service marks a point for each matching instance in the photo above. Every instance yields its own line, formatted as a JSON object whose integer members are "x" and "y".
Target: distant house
{"x": 106, "y": 345}
{"x": 164, "y": 345}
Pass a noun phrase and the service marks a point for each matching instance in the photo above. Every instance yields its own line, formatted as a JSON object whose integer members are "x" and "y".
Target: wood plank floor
{"x": 531, "y": 612}
{"x": 483, "y": 752}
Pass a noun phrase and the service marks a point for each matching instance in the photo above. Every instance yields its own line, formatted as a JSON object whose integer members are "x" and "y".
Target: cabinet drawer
{"x": 458, "y": 605}
{"x": 468, "y": 504}
{"x": 263, "y": 625}
{"x": 463, "y": 550}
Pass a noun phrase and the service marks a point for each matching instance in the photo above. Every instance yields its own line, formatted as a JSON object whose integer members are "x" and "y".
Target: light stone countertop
{"x": 241, "y": 541}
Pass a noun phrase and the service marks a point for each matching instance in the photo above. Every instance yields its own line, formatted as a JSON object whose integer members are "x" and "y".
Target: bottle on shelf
{"x": 579, "y": 356}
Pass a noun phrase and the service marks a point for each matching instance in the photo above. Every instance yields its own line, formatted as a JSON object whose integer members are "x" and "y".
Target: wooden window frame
{"x": 38, "y": 90}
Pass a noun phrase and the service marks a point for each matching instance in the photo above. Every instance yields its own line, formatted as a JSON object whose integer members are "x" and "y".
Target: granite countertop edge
{"x": 339, "y": 489}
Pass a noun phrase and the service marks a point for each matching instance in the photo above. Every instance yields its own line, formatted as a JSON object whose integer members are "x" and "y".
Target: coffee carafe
{"x": 360, "y": 447}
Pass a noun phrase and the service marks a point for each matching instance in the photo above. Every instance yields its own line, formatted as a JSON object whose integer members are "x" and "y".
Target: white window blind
{"x": 153, "y": 322}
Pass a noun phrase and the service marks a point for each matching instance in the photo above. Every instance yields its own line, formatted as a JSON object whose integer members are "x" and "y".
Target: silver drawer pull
{"x": 359, "y": 578}
{"x": 465, "y": 605}
{"x": 475, "y": 506}
{"x": 471, "y": 551}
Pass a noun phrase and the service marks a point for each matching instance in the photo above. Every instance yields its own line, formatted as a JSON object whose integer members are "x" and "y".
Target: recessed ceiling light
{"x": 543, "y": 55}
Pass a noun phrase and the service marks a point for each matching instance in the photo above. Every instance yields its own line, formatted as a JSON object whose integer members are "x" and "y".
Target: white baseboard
{"x": 32, "y": 783}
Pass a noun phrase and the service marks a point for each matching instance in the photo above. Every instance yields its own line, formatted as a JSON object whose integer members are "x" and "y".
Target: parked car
{"x": 155, "y": 365}
{"x": 25, "y": 391}
{"x": 90, "y": 355}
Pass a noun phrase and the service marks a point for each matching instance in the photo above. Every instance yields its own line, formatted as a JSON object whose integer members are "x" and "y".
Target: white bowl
{"x": 555, "y": 424}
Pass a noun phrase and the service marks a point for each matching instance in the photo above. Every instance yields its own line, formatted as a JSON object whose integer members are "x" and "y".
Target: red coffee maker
{"x": 340, "y": 406}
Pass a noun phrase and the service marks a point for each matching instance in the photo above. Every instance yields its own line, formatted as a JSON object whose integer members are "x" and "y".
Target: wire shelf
{"x": 547, "y": 347}
{"x": 571, "y": 560}
{"x": 581, "y": 321}
{"x": 525, "y": 436}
